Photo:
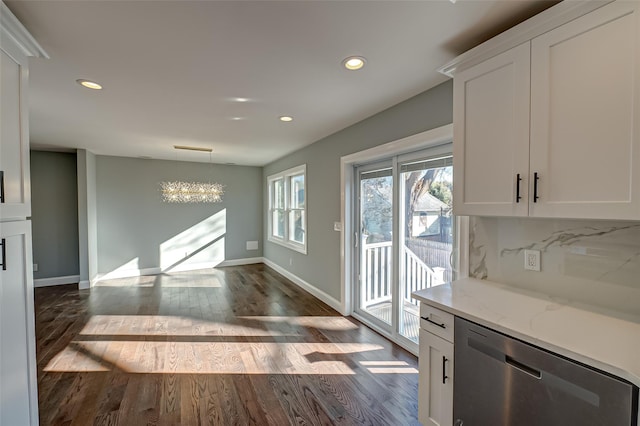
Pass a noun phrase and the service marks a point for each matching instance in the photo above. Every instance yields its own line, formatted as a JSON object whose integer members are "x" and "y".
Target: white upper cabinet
{"x": 491, "y": 132}
{"x": 560, "y": 110}
{"x": 585, "y": 116}
{"x": 16, "y": 45}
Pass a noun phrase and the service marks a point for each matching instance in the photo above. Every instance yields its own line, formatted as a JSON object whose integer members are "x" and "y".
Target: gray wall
{"x": 134, "y": 226}
{"x": 321, "y": 266}
{"x": 54, "y": 207}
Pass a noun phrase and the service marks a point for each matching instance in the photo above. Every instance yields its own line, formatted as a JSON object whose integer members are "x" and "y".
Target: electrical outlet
{"x": 35, "y": 267}
{"x": 532, "y": 260}
{"x": 337, "y": 226}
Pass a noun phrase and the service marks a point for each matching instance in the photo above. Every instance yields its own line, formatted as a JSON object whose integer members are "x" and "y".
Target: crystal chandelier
{"x": 191, "y": 192}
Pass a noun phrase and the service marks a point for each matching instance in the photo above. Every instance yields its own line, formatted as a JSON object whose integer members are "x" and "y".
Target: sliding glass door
{"x": 426, "y": 230}
{"x": 405, "y": 237}
{"x": 376, "y": 243}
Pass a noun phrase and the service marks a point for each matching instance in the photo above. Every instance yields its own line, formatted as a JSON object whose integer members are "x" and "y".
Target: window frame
{"x": 288, "y": 210}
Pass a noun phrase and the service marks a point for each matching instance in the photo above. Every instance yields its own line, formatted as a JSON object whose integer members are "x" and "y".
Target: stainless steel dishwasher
{"x": 499, "y": 380}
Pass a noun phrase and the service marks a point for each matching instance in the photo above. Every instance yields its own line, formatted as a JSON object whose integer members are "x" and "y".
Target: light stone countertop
{"x": 608, "y": 341}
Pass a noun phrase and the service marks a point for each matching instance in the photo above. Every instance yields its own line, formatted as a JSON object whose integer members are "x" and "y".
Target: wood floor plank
{"x": 230, "y": 346}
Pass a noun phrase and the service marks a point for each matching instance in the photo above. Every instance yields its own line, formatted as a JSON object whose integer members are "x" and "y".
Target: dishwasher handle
{"x": 523, "y": 367}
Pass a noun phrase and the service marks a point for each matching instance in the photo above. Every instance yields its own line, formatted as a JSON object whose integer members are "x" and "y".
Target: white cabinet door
{"x": 18, "y": 393}
{"x": 491, "y": 135}
{"x": 15, "y": 201}
{"x": 585, "y": 116}
{"x": 435, "y": 387}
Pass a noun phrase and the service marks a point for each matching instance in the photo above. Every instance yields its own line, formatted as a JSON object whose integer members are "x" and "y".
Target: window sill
{"x": 300, "y": 248}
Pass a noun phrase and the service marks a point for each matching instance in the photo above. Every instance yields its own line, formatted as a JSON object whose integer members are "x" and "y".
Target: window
{"x": 288, "y": 208}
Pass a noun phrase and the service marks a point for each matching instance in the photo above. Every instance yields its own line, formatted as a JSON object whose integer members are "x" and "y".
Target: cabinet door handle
{"x": 444, "y": 369}
{"x": 4, "y": 254}
{"x": 535, "y": 187}
{"x": 433, "y": 322}
{"x": 1, "y": 186}
{"x": 518, "y": 180}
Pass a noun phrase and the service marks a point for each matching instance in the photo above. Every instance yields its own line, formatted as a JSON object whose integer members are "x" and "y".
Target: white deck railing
{"x": 376, "y": 274}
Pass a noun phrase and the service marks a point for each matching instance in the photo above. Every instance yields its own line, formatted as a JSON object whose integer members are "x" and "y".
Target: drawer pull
{"x": 1, "y": 186}
{"x": 518, "y": 180}
{"x": 441, "y": 325}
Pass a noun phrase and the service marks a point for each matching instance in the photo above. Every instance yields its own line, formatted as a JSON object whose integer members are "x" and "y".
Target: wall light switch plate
{"x": 532, "y": 260}
{"x": 337, "y": 226}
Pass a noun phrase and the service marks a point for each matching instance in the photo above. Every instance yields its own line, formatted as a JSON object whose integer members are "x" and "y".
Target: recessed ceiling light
{"x": 241, "y": 99}
{"x": 353, "y": 63}
{"x": 236, "y": 118}
{"x": 286, "y": 118}
{"x": 89, "y": 84}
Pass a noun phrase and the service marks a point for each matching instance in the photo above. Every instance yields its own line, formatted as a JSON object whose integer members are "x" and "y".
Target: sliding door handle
{"x": 3, "y": 243}
{"x": 518, "y": 180}
{"x": 535, "y": 187}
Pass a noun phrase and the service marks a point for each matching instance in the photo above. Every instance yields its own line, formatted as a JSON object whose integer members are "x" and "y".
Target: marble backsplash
{"x": 582, "y": 261}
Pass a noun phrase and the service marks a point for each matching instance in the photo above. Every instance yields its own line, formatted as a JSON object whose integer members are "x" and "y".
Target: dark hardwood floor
{"x": 229, "y": 346}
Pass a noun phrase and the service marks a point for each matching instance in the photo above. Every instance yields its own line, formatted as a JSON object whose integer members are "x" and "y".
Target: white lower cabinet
{"x": 18, "y": 392}
{"x": 435, "y": 387}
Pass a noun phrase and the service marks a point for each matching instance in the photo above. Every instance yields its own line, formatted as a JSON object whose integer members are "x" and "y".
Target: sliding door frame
{"x": 348, "y": 178}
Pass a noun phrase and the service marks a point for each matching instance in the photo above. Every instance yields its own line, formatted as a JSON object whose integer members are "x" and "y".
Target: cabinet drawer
{"x": 436, "y": 321}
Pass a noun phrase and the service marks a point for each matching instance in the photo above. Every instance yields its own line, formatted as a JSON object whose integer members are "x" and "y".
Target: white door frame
{"x": 427, "y": 139}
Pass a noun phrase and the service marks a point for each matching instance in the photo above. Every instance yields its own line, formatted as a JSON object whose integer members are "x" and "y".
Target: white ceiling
{"x": 171, "y": 69}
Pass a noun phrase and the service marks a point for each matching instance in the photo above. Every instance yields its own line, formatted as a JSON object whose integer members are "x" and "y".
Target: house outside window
{"x": 288, "y": 208}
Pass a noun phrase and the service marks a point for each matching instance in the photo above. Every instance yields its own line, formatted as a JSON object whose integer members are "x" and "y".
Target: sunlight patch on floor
{"x": 150, "y": 357}
{"x": 170, "y": 325}
{"x": 336, "y": 323}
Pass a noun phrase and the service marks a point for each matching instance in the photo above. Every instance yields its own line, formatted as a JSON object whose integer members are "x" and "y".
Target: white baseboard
{"x": 84, "y": 285}
{"x": 329, "y": 300}
{"x": 46, "y": 282}
{"x": 130, "y": 273}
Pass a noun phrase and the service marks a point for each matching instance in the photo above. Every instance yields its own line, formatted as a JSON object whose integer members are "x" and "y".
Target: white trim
{"x": 130, "y": 273}
{"x": 46, "y": 282}
{"x": 543, "y": 22}
{"x": 84, "y": 285}
{"x": 285, "y": 176}
{"x": 319, "y": 294}
{"x": 12, "y": 28}
{"x": 428, "y": 139}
